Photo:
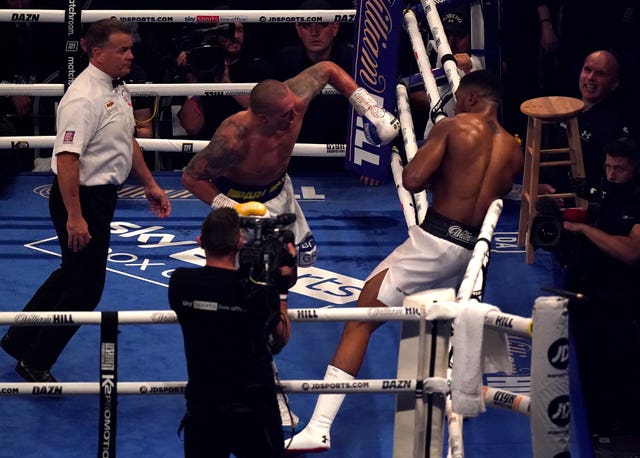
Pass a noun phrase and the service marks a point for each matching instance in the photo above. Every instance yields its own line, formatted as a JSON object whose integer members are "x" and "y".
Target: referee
{"x": 93, "y": 154}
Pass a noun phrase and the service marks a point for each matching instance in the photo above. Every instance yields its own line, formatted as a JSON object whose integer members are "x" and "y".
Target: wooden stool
{"x": 547, "y": 110}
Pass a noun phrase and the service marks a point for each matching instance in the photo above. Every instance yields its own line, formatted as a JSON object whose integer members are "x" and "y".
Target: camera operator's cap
{"x": 456, "y": 22}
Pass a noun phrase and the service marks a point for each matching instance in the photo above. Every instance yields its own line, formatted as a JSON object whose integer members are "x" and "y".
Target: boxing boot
{"x": 316, "y": 436}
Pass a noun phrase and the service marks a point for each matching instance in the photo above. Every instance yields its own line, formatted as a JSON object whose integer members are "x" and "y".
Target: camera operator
{"x": 231, "y": 324}
{"x": 219, "y": 55}
{"x": 605, "y": 266}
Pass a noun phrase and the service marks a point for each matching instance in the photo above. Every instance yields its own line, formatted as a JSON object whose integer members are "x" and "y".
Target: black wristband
{"x": 545, "y": 20}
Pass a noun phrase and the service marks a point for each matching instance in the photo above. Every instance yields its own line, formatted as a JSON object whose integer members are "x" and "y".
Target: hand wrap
{"x": 221, "y": 200}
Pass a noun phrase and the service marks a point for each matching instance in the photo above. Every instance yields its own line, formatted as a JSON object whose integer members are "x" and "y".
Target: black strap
{"x": 108, "y": 384}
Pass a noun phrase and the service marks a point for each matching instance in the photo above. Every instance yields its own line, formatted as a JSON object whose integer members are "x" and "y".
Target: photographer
{"x": 605, "y": 267}
{"x": 217, "y": 55}
{"x": 232, "y": 323}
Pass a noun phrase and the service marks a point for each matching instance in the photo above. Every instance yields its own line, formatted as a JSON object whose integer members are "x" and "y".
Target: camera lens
{"x": 548, "y": 232}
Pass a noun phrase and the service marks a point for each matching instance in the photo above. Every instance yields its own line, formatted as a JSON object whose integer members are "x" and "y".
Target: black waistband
{"x": 446, "y": 229}
{"x": 246, "y": 193}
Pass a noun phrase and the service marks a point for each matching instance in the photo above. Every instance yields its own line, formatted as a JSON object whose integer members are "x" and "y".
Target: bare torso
{"x": 471, "y": 161}
{"x": 261, "y": 158}
{"x": 253, "y": 149}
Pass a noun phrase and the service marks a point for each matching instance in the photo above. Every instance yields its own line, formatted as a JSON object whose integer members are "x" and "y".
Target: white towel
{"x": 475, "y": 351}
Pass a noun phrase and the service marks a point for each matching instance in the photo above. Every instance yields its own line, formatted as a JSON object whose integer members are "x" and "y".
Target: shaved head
{"x": 266, "y": 95}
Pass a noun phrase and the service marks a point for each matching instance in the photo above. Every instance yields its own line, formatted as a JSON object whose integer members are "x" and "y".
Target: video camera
{"x": 546, "y": 227}
{"x": 204, "y": 55}
{"x": 266, "y": 250}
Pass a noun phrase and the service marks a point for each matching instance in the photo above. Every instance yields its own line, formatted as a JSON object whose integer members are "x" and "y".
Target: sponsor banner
{"x": 378, "y": 29}
{"x": 108, "y": 384}
{"x": 550, "y": 412}
{"x": 72, "y": 51}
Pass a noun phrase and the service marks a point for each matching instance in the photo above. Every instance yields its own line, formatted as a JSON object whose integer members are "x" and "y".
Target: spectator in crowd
{"x": 602, "y": 119}
{"x": 224, "y": 60}
{"x": 326, "y": 120}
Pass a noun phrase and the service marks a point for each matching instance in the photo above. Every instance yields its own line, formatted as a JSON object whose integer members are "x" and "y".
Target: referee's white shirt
{"x": 96, "y": 121}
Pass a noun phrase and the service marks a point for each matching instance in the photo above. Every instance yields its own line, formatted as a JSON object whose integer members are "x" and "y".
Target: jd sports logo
{"x": 558, "y": 353}
{"x": 558, "y": 411}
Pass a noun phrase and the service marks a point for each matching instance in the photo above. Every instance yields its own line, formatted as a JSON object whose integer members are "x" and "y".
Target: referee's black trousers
{"x": 77, "y": 284}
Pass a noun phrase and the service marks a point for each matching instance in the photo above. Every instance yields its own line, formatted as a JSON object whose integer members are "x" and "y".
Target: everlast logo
{"x": 48, "y": 390}
{"x": 303, "y": 314}
{"x": 377, "y": 24}
{"x": 504, "y": 322}
{"x": 66, "y": 318}
{"x": 392, "y": 384}
{"x": 21, "y": 17}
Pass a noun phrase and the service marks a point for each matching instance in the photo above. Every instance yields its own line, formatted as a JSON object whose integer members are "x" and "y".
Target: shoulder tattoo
{"x": 223, "y": 152}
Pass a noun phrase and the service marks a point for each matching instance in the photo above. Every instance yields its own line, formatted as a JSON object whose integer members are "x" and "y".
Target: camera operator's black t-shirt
{"x": 224, "y": 333}
{"x": 606, "y": 280}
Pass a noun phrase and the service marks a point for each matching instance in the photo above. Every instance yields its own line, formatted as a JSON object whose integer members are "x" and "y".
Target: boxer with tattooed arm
{"x": 248, "y": 156}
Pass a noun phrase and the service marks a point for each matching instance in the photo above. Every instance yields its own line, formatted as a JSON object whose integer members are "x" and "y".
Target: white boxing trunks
{"x": 435, "y": 255}
{"x": 279, "y": 198}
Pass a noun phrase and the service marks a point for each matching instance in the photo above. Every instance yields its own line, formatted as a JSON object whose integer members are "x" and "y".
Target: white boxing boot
{"x": 316, "y": 436}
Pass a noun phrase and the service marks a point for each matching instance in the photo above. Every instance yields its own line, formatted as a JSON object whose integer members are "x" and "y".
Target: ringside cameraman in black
{"x": 231, "y": 327}
{"x": 604, "y": 265}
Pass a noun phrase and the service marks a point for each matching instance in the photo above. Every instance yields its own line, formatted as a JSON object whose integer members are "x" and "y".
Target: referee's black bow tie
{"x": 117, "y": 82}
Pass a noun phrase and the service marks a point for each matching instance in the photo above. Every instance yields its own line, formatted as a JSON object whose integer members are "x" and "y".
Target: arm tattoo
{"x": 218, "y": 156}
{"x": 308, "y": 83}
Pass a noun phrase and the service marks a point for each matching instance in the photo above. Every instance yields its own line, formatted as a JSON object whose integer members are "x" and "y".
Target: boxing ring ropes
{"x": 549, "y": 399}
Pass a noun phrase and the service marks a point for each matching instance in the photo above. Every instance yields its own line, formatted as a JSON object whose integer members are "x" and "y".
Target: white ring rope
{"x": 201, "y": 17}
{"x": 430, "y": 85}
{"x": 442, "y": 44}
{"x": 417, "y": 201}
{"x": 150, "y": 89}
{"x": 493, "y": 397}
{"x": 505, "y": 322}
{"x": 177, "y": 146}
{"x": 480, "y": 251}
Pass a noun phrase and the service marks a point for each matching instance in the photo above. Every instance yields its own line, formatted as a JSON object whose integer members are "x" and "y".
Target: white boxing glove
{"x": 222, "y": 200}
{"x": 380, "y": 126}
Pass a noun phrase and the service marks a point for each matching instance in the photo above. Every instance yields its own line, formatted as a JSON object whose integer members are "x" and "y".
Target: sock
{"x": 328, "y": 404}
